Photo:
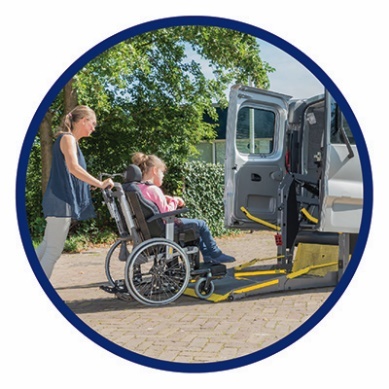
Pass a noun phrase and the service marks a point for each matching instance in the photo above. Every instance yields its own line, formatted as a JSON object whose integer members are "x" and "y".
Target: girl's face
{"x": 159, "y": 173}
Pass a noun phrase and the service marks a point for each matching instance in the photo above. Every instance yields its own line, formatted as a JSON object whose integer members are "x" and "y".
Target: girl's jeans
{"x": 208, "y": 246}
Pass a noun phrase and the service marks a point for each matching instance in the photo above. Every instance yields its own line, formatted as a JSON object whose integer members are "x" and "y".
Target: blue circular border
{"x": 191, "y": 367}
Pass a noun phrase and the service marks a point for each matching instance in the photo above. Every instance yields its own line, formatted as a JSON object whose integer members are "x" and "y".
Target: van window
{"x": 338, "y": 121}
{"x": 255, "y": 131}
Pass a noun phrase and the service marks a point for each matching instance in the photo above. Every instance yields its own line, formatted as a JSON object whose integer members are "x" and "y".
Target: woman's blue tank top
{"x": 66, "y": 195}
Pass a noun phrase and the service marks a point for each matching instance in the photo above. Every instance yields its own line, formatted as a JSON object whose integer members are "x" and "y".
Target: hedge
{"x": 203, "y": 190}
{"x": 200, "y": 184}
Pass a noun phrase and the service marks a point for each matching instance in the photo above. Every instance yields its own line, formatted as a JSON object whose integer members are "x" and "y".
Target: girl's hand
{"x": 181, "y": 202}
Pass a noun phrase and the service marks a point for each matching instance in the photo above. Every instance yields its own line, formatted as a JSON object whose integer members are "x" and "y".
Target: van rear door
{"x": 255, "y": 155}
{"x": 342, "y": 184}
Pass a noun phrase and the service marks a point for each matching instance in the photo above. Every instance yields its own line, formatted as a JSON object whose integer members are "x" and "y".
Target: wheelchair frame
{"x": 157, "y": 270}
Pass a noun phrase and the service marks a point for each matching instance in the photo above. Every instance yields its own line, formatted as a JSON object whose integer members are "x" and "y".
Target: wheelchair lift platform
{"x": 314, "y": 266}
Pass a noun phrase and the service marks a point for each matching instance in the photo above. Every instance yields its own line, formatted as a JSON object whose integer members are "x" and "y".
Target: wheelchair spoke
{"x": 157, "y": 272}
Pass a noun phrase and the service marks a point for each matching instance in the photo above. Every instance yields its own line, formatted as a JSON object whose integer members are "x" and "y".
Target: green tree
{"x": 149, "y": 95}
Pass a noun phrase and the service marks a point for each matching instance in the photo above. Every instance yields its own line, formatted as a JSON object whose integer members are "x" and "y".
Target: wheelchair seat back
{"x": 143, "y": 210}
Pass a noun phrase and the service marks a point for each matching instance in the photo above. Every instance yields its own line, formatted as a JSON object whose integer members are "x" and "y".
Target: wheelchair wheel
{"x": 157, "y": 272}
{"x": 204, "y": 289}
{"x": 115, "y": 262}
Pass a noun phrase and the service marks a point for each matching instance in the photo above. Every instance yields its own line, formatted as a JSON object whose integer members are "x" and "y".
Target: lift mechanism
{"x": 319, "y": 260}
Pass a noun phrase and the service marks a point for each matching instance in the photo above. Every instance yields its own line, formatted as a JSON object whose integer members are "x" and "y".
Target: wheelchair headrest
{"x": 132, "y": 174}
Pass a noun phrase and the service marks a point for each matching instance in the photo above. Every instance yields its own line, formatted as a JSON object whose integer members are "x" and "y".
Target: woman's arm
{"x": 69, "y": 149}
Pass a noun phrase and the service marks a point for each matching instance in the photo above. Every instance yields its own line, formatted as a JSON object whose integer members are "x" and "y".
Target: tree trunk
{"x": 69, "y": 97}
{"x": 46, "y": 133}
{"x": 46, "y": 138}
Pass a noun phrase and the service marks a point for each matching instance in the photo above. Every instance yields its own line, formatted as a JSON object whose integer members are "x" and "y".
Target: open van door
{"x": 255, "y": 155}
{"x": 342, "y": 184}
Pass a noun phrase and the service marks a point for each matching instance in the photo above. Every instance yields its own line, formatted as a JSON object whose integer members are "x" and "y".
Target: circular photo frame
{"x": 216, "y": 365}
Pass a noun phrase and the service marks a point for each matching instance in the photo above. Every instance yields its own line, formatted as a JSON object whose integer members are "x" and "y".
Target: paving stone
{"x": 189, "y": 330}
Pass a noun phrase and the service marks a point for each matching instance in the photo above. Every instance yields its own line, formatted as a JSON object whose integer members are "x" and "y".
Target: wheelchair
{"x": 160, "y": 256}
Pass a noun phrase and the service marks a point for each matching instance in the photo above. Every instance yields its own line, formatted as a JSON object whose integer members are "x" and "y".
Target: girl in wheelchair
{"x": 153, "y": 169}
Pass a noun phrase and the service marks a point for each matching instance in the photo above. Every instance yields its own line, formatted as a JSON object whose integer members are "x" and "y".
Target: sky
{"x": 291, "y": 77}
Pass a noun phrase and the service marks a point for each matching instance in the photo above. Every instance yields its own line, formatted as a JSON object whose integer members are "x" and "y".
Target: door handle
{"x": 277, "y": 176}
{"x": 255, "y": 177}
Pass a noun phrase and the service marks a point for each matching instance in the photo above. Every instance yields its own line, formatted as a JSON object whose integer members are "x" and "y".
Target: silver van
{"x": 291, "y": 165}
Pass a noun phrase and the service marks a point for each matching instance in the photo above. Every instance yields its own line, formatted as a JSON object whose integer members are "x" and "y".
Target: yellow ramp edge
{"x": 215, "y": 297}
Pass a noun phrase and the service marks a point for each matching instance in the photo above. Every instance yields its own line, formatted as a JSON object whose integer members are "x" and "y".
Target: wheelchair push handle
{"x": 107, "y": 192}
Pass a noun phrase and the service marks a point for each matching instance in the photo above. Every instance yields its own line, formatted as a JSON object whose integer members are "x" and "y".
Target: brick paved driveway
{"x": 188, "y": 330}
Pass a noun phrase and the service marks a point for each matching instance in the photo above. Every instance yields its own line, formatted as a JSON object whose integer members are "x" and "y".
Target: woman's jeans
{"x": 56, "y": 232}
{"x": 208, "y": 246}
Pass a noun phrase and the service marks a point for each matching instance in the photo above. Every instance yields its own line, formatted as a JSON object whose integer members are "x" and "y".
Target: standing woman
{"x": 67, "y": 194}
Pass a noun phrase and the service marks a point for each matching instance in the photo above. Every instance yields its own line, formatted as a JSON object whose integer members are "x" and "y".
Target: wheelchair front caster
{"x": 204, "y": 288}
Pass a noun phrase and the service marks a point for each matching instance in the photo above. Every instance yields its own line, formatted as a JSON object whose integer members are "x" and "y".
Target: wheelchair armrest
{"x": 166, "y": 215}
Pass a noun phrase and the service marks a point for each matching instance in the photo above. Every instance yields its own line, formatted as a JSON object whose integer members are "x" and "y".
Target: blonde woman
{"x": 67, "y": 195}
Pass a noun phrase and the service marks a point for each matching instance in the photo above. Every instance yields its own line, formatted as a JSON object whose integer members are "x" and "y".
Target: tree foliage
{"x": 149, "y": 95}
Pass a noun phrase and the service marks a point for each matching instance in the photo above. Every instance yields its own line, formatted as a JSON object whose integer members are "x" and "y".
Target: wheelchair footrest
{"x": 218, "y": 270}
{"x": 214, "y": 270}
